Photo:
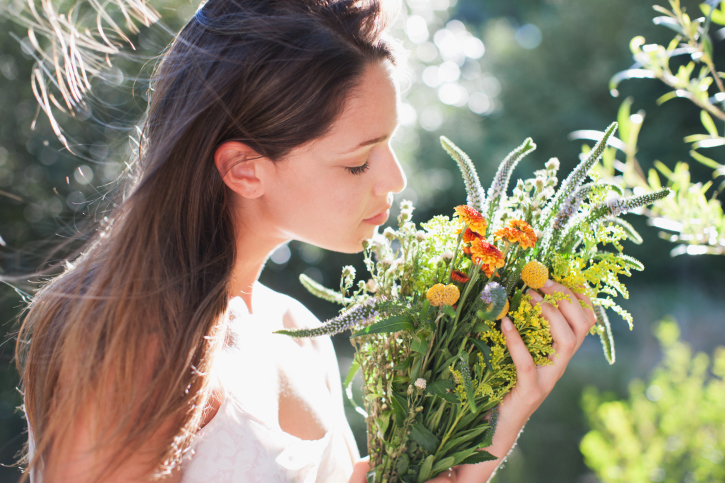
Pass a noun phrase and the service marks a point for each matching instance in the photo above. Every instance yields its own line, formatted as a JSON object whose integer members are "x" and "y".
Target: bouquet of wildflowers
{"x": 426, "y": 325}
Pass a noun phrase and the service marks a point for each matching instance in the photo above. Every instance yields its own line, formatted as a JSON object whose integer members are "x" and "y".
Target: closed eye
{"x": 359, "y": 169}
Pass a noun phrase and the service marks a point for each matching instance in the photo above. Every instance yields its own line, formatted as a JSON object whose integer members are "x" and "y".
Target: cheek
{"x": 309, "y": 204}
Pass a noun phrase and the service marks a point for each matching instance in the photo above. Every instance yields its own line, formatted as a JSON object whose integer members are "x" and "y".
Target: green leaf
{"x": 403, "y": 365}
{"x": 440, "y": 388}
{"x": 697, "y": 137}
{"x": 425, "y": 439}
{"x": 479, "y": 457}
{"x": 483, "y": 348}
{"x": 708, "y": 123}
{"x": 420, "y": 346}
{"x": 710, "y": 163}
{"x": 400, "y": 407}
{"x": 417, "y": 363}
{"x": 716, "y": 16}
{"x": 709, "y": 143}
{"x": 653, "y": 179}
{"x": 666, "y": 97}
{"x": 354, "y": 369}
{"x": 623, "y": 119}
{"x": 448, "y": 310}
{"x": 480, "y": 327}
{"x": 629, "y": 74}
{"x": 463, "y": 438}
{"x": 425, "y": 469}
{"x": 662, "y": 167}
{"x": 391, "y": 324}
{"x": 605, "y": 333}
{"x": 442, "y": 465}
{"x": 402, "y": 465}
{"x": 632, "y": 234}
{"x": 462, "y": 455}
{"x": 670, "y": 23}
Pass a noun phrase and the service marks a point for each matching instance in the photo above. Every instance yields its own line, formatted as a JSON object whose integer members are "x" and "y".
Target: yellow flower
{"x": 535, "y": 274}
{"x": 487, "y": 255}
{"x": 504, "y": 311}
{"x": 471, "y": 217}
{"x": 518, "y": 231}
{"x": 440, "y": 294}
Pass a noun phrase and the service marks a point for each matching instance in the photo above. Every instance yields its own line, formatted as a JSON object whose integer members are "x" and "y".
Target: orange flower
{"x": 470, "y": 235}
{"x": 471, "y": 217}
{"x": 518, "y": 231}
{"x": 487, "y": 255}
{"x": 460, "y": 277}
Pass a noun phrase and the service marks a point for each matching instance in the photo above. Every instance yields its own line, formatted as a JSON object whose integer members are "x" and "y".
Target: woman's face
{"x": 335, "y": 191}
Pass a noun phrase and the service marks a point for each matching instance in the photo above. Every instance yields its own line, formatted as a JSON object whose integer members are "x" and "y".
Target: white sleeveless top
{"x": 238, "y": 447}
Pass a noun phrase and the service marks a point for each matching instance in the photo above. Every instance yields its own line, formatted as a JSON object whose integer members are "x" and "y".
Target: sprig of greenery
{"x": 475, "y": 195}
{"x": 691, "y": 218}
{"x": 670, "y": 428}
{"x": 497, "y": 191}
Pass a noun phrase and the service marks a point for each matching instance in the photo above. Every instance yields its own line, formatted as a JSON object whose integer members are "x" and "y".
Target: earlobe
{"x": 239, "y": 167}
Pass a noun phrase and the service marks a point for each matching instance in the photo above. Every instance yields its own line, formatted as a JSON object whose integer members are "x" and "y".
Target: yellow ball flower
{"x": 440, "y": 294}
{"x": 535, "y": 274}
{"x": 504, "y": 311}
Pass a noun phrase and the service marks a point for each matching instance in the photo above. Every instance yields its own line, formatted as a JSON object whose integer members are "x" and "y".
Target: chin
{"x": 351, "y": 244}
{"x": 351, "y": 247}
{"x": 344, "y": 246}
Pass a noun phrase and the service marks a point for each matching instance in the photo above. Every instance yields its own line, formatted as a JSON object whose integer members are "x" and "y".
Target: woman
{"x": 152, "y": 355}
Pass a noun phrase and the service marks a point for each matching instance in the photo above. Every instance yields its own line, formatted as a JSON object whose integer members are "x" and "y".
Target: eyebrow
{"x": 366, "y": 143}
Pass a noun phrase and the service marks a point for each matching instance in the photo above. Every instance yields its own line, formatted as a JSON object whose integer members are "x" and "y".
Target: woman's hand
{"x": 569, "y": 324}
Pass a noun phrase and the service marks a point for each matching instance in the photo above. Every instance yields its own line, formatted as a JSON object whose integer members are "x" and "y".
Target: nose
{"x": 392, "y": 177}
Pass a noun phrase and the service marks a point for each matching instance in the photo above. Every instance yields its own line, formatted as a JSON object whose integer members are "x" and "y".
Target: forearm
{"x": 510, "y": 425}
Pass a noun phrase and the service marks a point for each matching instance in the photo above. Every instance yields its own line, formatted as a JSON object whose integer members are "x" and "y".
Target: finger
{"x": 565, "y": 339}
{"x": 359, "y": 470}
{"x": 572, "y": 311}
{"x": 525, "y": 366}
{"x": 589, "y": 310}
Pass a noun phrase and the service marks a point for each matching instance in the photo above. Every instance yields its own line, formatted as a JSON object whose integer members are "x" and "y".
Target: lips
{"x": 379, "y": 218}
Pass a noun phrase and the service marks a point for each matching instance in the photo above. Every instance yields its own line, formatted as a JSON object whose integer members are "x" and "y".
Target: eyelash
{"x": 359, "y": 169}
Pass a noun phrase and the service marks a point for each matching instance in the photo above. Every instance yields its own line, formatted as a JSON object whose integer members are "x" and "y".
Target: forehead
{"x": 370, "y": 111}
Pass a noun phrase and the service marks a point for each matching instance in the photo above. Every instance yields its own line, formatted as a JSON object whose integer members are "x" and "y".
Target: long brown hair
{"x": 148, "y": 292}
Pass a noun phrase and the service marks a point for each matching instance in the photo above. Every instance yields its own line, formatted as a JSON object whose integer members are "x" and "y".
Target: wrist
{"x": 514, "y": 414}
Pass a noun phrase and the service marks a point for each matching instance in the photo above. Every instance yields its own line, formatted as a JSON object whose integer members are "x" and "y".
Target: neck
{"x": 253, "y": 250}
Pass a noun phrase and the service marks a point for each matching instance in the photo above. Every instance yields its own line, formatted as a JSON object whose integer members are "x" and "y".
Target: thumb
{"x": 359, "y": 470}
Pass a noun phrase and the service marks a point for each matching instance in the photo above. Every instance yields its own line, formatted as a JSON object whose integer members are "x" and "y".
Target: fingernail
{"x": 548, "y": 284}
{"x": 507, "y": 325}
{"x": 534, "y": 295}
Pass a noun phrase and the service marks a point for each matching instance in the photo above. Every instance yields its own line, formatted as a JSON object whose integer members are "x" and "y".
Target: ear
{"x": 240, "y": 168}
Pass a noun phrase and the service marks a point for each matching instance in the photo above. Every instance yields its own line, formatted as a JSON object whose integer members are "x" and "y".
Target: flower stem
{"x": 469, "y": 286}
{"x": 455, "y": 255}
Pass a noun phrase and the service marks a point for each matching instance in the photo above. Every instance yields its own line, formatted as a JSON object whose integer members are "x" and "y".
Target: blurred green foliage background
{"x": 486, "y": 74}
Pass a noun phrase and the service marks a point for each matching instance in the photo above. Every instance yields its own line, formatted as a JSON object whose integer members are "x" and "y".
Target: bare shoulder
{"x": 294, "y": 314}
